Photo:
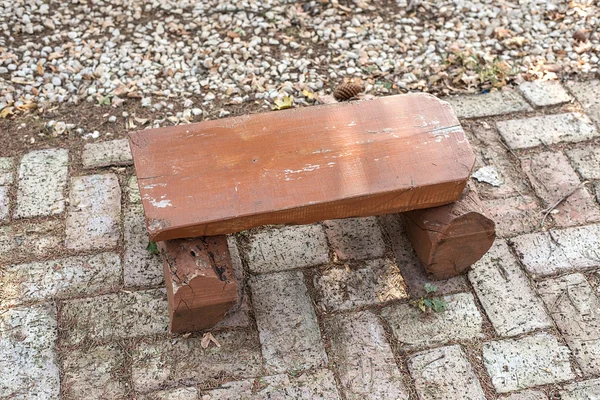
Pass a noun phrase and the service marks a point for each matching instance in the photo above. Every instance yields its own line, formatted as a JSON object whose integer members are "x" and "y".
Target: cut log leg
{"x": 450, "y": 238}
{"x": 201, "y": 285}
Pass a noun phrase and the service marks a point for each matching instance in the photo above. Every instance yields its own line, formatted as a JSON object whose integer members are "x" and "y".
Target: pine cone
{"x": 346, "y": 91}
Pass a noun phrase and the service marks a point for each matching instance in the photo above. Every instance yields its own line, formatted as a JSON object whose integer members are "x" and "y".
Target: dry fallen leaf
{"x": 40, "y": 68}
{"x": 283, "y": 103}
{"x": 6, "y": 112}
{"x": 207, "y": 338}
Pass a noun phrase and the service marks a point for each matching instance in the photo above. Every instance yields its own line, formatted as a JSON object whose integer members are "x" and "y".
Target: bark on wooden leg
{"x": 450, "y": 238}
{"x": 201, "y": 285}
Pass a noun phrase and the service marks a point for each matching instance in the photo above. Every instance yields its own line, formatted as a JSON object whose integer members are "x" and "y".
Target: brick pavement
{"x": 327, "y": 311}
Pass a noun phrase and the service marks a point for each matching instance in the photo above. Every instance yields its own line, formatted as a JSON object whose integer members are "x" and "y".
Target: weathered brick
{"x": 375, "y": 282}
{"x": 308, "y": 386}
{"x": 504, "y": 291}
{"x": 287, "y": 248}
{"x": 287, "y": 324}
{"x": 61, "y": 278}
{"x": 526, "y": 395}
{"x": 27, "y": 239}
{"x": 460, "y": 321}
{"x": 140, "y": 267}
{"x": 444, "y": 374}
{"x": 4, "y": 203}
{"x": 586, "y": 390}
{"x": 363, "y": 357}
{"x": 133, "y": 190}
{"x": 355, "y": 238}
{"x": 42, "y": 180}
{"x": 410, "y": 267}
{"x": 576, "y": 310}
{"x": 184, "y": 361}
{"x": 553, "y": 178}
{"x": 102, "y": 154}
{"x": 495, "y": 103}
{"x": 492, "y": 153}
{"x": 94, "y": 373}
{"x": 514, "y": 215}
{"x": 586, "y": 161}
{"x": 544, "y": 93}
{"x": 113, "y": 316}
{"x": 555, "y": 251}
{"x": 6, "y": 171}
{"x": 183, "y": 393}
{"x": 588, "y": 94}
{"x": 27, "y": 337}
{"x": 546, "y": 130}
{"x": 516, "y": 364}
{"x": 94, "y": 212}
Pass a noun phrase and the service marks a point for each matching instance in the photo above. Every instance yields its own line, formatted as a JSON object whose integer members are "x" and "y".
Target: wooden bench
{"x": 299, "y": 166}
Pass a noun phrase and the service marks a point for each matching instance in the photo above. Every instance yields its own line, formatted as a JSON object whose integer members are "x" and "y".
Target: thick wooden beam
{"x": 300, "y": 166}
{"x": 200, "y": 280}
{"x": 450, "y": 238}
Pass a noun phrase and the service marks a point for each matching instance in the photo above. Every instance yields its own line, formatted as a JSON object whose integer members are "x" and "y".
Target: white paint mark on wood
{"x": 161, "y": 204}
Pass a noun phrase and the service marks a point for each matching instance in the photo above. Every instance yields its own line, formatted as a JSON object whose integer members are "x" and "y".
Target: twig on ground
{"x": 559, "y": 201}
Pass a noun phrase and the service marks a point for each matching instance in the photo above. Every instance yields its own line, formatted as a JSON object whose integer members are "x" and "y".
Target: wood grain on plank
{"x": 300, "y": 166}
{"x": 200, "y": 280}
{"x": 448, "y": 239}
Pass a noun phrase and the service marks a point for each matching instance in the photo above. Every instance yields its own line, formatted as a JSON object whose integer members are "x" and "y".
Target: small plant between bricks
{"x": 428, "y": 303}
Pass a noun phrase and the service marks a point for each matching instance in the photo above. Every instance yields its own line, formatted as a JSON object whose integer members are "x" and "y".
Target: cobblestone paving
{"x": 327, "y": 313}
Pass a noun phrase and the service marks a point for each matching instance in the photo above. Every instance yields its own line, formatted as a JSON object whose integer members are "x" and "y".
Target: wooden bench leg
{"x": 200, "y": 280}
{"x": 450, "y": 238}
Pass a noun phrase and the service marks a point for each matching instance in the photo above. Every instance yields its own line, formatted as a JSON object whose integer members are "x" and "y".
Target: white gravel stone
{"x": 546, "y": 130}
{"x": 287, "y": 248}
{"x": 42, "y": 180}
{"x": 460, "y": 321}
{"x": 517, "y": 364}
{"x": 62, "y": 278}
{"x": 505, "y": 293}
{"x": 544, "y": 93}
{"x": 27, "y": 337}
{"x": 444, "y": 374}
{"x": 575, "y": 308}
{"x": 115, "y": 152}
{"x": 94, "y": 212}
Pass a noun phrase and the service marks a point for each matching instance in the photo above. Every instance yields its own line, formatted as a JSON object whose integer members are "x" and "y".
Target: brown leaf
{"x": 40, "y": 68}
{"x": 6, "y": 111}
{"x": 233, "y": 34}
{"x": 207, "y": 338}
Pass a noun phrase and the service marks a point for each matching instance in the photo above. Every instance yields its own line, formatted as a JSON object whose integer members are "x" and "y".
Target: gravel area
{"x": 196, "y": 59}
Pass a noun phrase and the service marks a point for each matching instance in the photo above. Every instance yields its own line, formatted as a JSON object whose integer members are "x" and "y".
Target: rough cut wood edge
{"x": 450, "y": 238}
{"x": 299, "y": 166}
{"x": 200, "y": 280}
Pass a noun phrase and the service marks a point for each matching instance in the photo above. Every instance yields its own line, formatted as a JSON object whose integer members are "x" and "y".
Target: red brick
{"x": 553, "y": 178}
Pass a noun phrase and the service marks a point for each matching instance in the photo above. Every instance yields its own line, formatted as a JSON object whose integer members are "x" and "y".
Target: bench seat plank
{"x": 300, "y": 166}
